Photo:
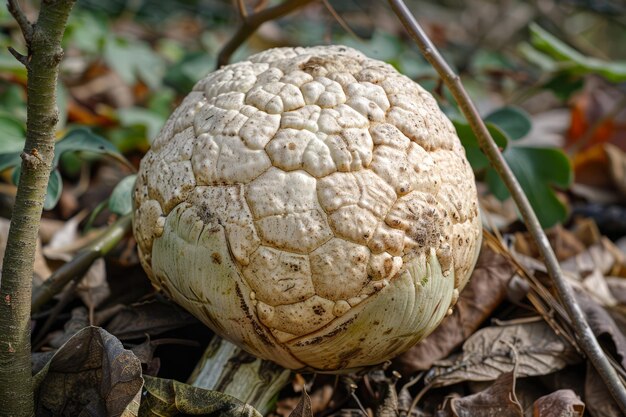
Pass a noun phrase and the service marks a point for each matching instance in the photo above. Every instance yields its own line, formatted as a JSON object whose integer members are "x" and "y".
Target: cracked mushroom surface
{"x": 311, "y": 205}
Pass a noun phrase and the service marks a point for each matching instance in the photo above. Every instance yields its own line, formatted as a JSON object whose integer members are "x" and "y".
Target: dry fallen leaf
{"x": 603, "y": 326}
{"x": 79, "y": 320}
{"x": 498, "y": 400}
{"x": 598, "y": 400}
{"x": 561, "y": 403}
{"x": 303, "y": 408}
{"x": 564, "y": 243}
{"x": 487, "y": 354}
{"x": 93, "y": 287}
{"x": 169, "y": 398}
{"x": 150, "y": 317}
{"x": 91, "y": 374}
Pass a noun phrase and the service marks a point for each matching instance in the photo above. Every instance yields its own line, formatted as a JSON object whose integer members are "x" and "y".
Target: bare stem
{"x": 44, "y": 55}
{"x": 584, "y": 334}
{"x": 243, "y": 10}
{"x": 342, "y": 22}
{"x": 249, "y": 24}
{"x": 22, "y": 58}
{"x": 21, "y": 19}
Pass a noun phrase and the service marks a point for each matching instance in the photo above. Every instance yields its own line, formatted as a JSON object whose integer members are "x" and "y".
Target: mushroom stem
{"x": 226, "y": 368}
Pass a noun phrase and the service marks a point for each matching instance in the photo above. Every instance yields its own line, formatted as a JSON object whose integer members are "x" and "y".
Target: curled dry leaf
{"x": 169, "y": 398}
{"x": 320, "y": 400}
{"x": 617, "y": 286}
{"x": 485, "y": 291}
{"x": 151, "y": 317}
{"x": 564, "y": 242}
{"x": 145, "y": 353}
{"x": 603, "y": 326}
{"x": 599, "y": 401}
{"x": 303, "y": 408}
{"x": 79, "y": 320}
{"x": 132, "y": 409}
{"x": 92, "y": 374}
{"x": 66, "y": 240}
{"x": 601, "y": 256}
{"x": 93, "y": 287}
{"x": 561, "y": 403}
{"x": 496, "y": 401}
{"x": 487, "y": 354}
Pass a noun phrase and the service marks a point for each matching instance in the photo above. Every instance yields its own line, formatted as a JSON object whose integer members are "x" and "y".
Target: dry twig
{"x": 21, "y": 19}
{"x": 250, "y": 23}
{"x": 584, "y": 334}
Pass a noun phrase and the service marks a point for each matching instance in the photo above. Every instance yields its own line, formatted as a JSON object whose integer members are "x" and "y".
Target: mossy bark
{"x": 42, "y": 62}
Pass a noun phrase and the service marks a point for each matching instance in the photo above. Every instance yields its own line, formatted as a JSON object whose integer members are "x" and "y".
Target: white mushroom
{"x": 311, "y": 205}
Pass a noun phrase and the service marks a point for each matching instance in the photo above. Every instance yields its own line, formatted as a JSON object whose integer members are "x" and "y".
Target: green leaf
{"x": 9, "y": 160}
{"x": 53, "y": 193}
{"x": 121, "y": 201}
{"x": 161, "y": 101}
{"x": 128, "y": 139}
{"x": 544, "y": 61}
{"x": 563, "y": 85}
{"x": 87, "y": 31}
{"x": 168, "y": 398}
{"x": 83, "y": 139}
{"x": 12, "y": 134}
{"x": 475, "y": 156}
{"x": 152, "y": 122}
{"x": 551, "y": 45}
{"x": 190, "y": 69}
{"x": 132, "y": 59}
{"x": 13, "y": 101}
{"x": 577, "y": 63}
{"x": 537, "y": 170}
{"x": 10, "y": 65}
{"x": 514, "y": 122}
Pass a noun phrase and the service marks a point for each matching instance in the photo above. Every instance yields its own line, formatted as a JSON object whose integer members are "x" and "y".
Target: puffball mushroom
{"x": 312, "y": 206}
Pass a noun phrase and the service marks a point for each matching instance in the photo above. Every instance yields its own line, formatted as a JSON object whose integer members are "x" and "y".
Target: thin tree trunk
{"x": 42, "y": 62}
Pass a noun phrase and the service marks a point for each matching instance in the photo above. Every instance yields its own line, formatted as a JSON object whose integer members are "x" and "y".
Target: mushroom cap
{"x": 311, "y": 205}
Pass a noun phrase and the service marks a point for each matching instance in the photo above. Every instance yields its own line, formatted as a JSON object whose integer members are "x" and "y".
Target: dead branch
{"x": 584, "y": 334}
{"x": 249, "y": 24}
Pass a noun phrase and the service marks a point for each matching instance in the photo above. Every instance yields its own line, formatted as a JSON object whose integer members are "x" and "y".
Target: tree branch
{"x": 22, "y": 58}
{"x": 21, "y": 19}
{"x": 44, "y": 54}
{"x": 584, "y": 334}
{"x": 342, "y": 22}
{"x": 252, "y": 22}
{"x": 243, "y": 10}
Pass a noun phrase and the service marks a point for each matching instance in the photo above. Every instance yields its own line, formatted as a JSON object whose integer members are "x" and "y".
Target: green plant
{"x": 538, "y": 169}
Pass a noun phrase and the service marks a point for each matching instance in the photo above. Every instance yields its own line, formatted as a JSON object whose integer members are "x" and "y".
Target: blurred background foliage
{"x": 547, "y": 74}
